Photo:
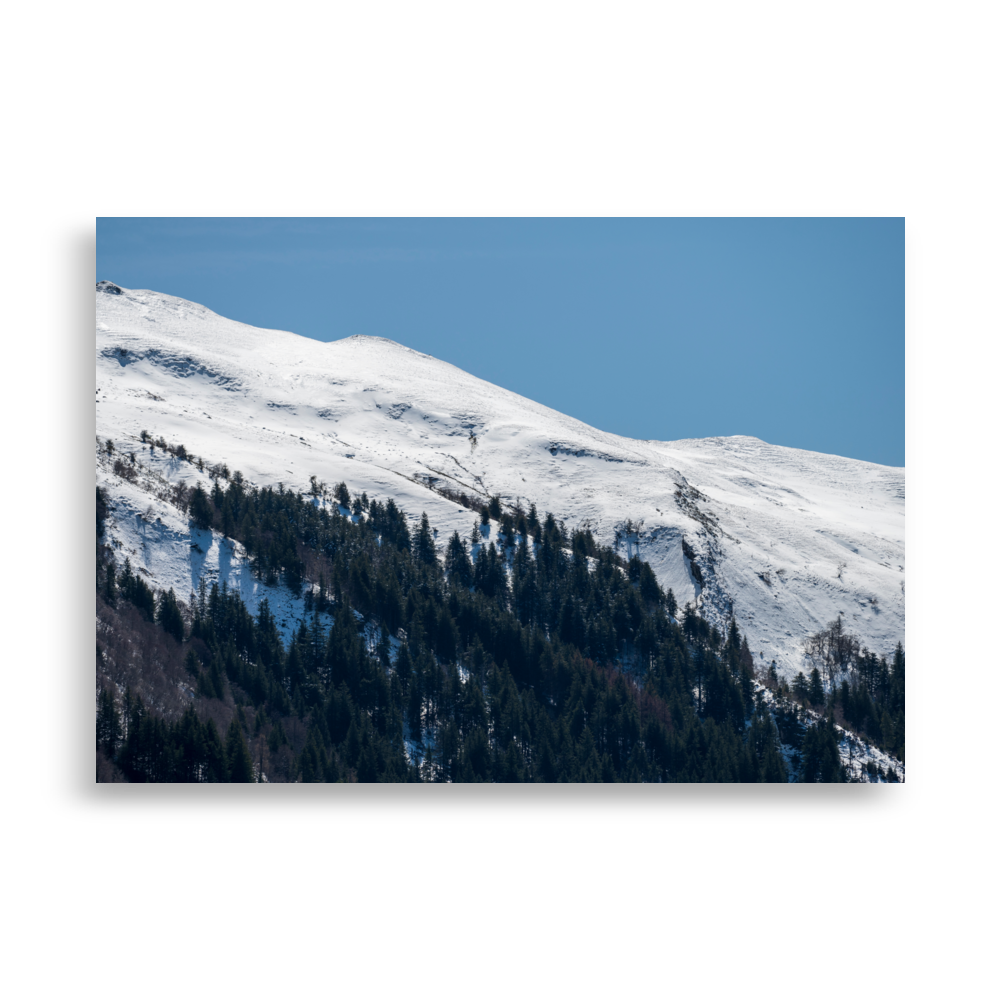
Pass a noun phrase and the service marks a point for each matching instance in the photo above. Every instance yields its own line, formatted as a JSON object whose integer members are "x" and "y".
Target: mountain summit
{"x": 784, "y": 539}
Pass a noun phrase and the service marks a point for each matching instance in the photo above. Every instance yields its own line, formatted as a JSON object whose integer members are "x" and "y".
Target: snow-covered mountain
{"x": 785, "y": 539}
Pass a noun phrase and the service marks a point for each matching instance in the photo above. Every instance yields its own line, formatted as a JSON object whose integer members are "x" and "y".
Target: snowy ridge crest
{"x": 785, "y": 539}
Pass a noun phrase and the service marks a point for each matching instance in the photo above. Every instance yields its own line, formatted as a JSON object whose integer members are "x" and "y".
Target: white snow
{"x": 787, "y": 538}
{"x": 168, "y": 551}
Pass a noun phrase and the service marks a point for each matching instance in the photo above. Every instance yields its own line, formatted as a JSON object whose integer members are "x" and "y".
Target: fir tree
{"x": 424, "y": 545}
{"x": 215, "y": 767}
{"x": 200, "y": 508}
{"x": 815, "y": 690}
{"x": 457, "y": 563}
{"x": 108, "y": 724}
{"x": 168, "y": 615}
{"x": 238, "y": 761}
{"x": 800, "y": 686}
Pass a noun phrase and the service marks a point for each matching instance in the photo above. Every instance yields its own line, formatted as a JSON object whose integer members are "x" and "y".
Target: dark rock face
{"x": 108, "y": 286}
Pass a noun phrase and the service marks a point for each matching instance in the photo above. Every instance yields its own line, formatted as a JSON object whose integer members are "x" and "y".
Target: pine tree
{"x": 200, "y": 508}
{"x": 815, "y": 691}
{"x": 168, "y": 615}
{"x": 228, "y": 518}
{"x": 424, "y": 546}
{"x": 800, "y": 686}
{"x": 899, "y": 663}
{"x": 457, "y": 563}
{"x": 772, "y": 766}
{"x": 238, "y": 761}
{"x": 216, "y": 768}
{"x": 216, "y": 681}
{"x": 108, "y": 724}
{"x": 533, "y": 524}
{"x": 312, "y": 760}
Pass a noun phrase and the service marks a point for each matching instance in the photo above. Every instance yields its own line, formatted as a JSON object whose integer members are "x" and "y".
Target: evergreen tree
{"x": 815, "y": 690}
{"x": 108, "y": 724}
{"x": 168, "y": 615}
{"x": 424, "y": 546}
{"x": 457, "y": 563}
{"x": 215, "y": 768}
{"x": 312, "y": 760}
{"x": 671, "y": 604}
{"x": 238, "y": 761}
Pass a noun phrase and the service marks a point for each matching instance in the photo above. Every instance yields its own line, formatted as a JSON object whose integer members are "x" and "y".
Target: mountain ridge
{"x": 396, "y": 422}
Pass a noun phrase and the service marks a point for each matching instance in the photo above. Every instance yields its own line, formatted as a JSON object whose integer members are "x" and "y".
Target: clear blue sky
{"x": 791, "y": 330}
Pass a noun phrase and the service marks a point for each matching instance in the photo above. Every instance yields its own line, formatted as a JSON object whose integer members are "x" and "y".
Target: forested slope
{"x": 539, "y": 655}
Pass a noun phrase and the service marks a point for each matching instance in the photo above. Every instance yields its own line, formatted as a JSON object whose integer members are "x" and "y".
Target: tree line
{"x": 538, "y": 656}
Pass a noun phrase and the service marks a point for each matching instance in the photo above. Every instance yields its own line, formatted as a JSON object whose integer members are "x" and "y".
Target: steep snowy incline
{"x": 788, "y": 539}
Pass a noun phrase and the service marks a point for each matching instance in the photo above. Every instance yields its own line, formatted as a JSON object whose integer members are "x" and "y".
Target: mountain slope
{"x": 787, "y": 539}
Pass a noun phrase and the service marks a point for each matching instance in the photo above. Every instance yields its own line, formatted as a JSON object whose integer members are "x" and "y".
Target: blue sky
{"x": 791, "y": 330}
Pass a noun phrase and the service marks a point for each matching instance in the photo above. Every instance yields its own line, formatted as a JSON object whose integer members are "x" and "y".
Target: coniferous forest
{"x": 534, "y": 654}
